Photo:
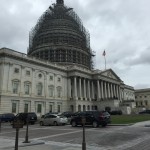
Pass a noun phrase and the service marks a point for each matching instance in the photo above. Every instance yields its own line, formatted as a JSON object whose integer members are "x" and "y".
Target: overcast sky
{"x": 121, "y": 27}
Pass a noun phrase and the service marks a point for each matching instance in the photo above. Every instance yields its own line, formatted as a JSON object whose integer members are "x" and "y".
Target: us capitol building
{"x": 57, "y": 72}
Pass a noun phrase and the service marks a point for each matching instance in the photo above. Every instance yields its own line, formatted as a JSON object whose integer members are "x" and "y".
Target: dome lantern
{"x": 60, "y": 1}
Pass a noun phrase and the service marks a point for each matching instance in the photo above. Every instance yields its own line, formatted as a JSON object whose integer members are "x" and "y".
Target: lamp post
{"x": 83, "y": 142}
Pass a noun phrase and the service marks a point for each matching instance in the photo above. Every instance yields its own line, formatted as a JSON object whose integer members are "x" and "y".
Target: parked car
{"x": 94, "y": 118}
{"x": 31, "y": 116}
{"x": 144, "y": 112}
{"x": 49, "y": 114}
{"x": 53, "y": 119}
{"x": 116, "y": 112}
{"x": 7, "y": 117}
{"x": 67, "y": 114}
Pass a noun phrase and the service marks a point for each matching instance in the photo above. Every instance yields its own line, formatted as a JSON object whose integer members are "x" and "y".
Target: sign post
{"x": 83, "y": 142}
{"x": 26, "y": 137}
{"x": 17, "y": 124}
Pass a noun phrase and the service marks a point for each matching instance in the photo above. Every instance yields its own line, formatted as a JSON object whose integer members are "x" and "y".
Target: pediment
{"x": 110, "y": 74}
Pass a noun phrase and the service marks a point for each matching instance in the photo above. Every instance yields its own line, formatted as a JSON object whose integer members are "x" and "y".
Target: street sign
{"x": 18, "y": 123}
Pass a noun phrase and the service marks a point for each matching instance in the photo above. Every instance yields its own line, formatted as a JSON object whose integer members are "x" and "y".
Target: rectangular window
{"x": 51, "y": 92}
{"x": 50, "y": 108}
{"x": 146, "y": 103}
{"x": 136, "y": 103}
{"x": 51, "y": 78}
{"x": 59, "y": 79}
{"x": 39, "y": 108}
{"x": 28, "y": 73}
{"x": 27, "y": 87}
{"x": 14, "y": 107}
{"x": 26, "y": 108}
{"x": 15, "y": 87}
{"x": 59, "y": 93}
{"x": 39, "y": 89}
{"x": 58, "y": 108}
{"x": 16, "y": 70}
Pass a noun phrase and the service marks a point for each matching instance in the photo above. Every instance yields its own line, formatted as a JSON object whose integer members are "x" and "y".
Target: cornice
{"x": 33, "y": 60}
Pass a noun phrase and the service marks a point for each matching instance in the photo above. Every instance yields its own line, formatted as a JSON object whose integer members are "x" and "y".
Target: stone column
{"x": 117, "y": 91}
{"x": 120, "y": 93}
{"x": 102, "y": 89}
{"x": 105, "y": 89}
{"x": 114, "y": 89}
{"x": 69, "y": 88}
{"x": 75, "y": 87}
{"x": 33, "y": 90}
{"x": 89, "y": 94}
{"x": 111, "y": 90}
{"x": 80, "y": 88}
{"x": 84, "y": 94}
{"x": 108, "y": 90}
{"x": 21, "y": 91}
{"x": 92, "y": 90}
{"x": 98, "y": 90}
{"x": 45, "y": 85}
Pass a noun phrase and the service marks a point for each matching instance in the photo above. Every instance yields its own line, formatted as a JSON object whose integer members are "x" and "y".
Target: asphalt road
{"x": 108, "y": 138}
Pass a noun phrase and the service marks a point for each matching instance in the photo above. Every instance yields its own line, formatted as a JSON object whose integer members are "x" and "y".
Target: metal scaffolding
{"x": 59, "y": 36}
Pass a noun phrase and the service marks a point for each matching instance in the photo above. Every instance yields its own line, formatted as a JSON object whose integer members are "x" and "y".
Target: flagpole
{"x": 104, "y": 54}
{"x": 105, "y": 62}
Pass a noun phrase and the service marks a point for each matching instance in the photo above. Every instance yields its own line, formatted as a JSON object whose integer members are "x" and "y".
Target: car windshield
{"x": 61, "y": 116}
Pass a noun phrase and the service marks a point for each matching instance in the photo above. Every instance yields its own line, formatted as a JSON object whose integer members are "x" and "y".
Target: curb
{"x": 24, "y": 145}
{"x": 121, "y": 124}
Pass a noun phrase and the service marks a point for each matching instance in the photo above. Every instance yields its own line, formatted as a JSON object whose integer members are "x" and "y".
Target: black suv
{"x": 31, "y": 116}
{"x": 144, "y": 112}
{"x": 94, "y": 118}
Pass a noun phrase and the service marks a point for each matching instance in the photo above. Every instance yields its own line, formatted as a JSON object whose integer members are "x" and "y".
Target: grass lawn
{"x": 127, "y": 119}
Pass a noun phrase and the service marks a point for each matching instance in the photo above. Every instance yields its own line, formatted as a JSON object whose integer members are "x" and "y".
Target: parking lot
{"x": 110, "y": 137}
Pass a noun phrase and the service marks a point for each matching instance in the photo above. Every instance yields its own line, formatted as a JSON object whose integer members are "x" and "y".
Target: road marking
{"x": 61, "y": 134}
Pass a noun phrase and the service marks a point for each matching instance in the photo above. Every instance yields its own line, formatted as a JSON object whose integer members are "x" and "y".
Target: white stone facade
{"x": 142, "y": 98}
{"x": 29, "y": 84}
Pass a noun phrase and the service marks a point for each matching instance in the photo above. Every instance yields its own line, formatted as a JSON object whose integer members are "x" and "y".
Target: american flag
{"x": 104, "y": 53}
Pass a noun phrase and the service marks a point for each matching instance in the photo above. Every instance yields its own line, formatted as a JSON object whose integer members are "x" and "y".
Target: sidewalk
{"x": 9, "y": 144}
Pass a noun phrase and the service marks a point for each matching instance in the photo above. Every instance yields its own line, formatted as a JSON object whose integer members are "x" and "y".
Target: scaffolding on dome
{"x": 45, "y": 22}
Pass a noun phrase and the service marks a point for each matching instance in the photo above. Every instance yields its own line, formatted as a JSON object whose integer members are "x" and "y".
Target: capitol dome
{"x": 60, "y": 37}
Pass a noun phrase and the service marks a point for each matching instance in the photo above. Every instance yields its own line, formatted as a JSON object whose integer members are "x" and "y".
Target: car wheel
{"x": 95, "y": 124}
{"x": 55, "y": 123}
{"x": 32, "y": 123}
{"x": 41, "y": 123}
{"x": 74, "y": 124}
